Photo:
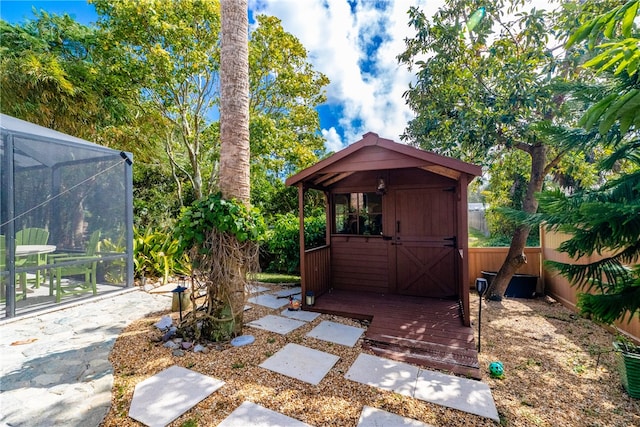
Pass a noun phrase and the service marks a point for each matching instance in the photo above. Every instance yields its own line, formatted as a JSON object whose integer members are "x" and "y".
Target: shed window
{"x": 357, "y": 213}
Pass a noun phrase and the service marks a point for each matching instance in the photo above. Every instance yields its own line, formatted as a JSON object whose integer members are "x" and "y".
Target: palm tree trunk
{"x": 234, "y": 101}
{"x": 234, "y": 135}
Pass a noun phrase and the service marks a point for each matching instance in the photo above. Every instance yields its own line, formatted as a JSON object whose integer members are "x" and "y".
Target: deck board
{"x": 424, "y": 331}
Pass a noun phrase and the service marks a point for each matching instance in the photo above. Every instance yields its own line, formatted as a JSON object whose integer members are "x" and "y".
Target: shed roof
{"x": 375, "y": 153}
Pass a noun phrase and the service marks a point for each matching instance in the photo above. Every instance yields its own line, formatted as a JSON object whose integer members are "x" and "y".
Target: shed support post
{"x": 301, "y": 238}
{"x": 463, "y": 247}
{"x": 328, "y": 218}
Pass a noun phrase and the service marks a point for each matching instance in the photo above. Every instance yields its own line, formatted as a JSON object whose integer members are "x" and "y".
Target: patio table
{"x": 40, "y": 251}
{"x": 26, "y": 250}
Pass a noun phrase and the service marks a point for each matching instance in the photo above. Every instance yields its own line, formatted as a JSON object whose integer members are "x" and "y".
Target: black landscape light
{"x": 179, "y": 290}
{"x": 481, "y": 287}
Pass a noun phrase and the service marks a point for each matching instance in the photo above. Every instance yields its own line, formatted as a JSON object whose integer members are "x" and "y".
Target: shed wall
{"x": 359, "y": 263}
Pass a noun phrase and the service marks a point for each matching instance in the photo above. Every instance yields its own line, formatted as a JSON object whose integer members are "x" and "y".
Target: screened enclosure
{"x": 66, "y": 218}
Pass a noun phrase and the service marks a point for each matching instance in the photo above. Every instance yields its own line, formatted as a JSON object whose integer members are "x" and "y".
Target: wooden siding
{"x": 491, "y": 259}
{"x": 359, "y": 263}
{"x": 318, "y": 270}
{"x": 560, "y": 288}
{"x": 417, "y": 178}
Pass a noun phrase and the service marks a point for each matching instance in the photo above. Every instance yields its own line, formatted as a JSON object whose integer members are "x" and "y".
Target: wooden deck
{"x": 422, "y": 331}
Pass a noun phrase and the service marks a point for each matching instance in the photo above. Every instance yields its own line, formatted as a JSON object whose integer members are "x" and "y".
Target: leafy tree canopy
{"x": 486, "y": 87}
{"x": 50, "y": 76}
{"x": 172, "y": 49}
{"x": 606, "y": 220}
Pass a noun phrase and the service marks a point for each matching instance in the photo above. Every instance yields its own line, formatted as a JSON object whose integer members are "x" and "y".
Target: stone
{"x": 198, "y": 348}
{"x": 167, "y": 335}
{"x": 164, "y": 323}
{"x": 178, "y": 353}
{"x": 171, "y": 345}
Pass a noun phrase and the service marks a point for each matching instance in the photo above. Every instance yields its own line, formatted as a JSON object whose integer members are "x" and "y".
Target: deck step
{"x": 435, "y": 358}
{"x": 427, "y": 344}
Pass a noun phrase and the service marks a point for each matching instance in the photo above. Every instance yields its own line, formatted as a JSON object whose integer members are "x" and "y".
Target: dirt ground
{"x": 559, "y": 371}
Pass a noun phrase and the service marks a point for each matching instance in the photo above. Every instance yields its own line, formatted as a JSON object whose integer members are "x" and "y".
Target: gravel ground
{"x": 559, "y": 372}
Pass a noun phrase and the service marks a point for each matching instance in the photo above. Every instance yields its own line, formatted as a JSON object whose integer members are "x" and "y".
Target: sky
{"x": 353, "y": 42}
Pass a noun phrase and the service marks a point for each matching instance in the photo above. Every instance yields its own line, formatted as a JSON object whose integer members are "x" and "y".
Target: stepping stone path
{"x": 373, "y": 417}
{"x": 305, "y": 316}
{"x": 162, "y": 398}
{"x": 269, "y": 300}
{"x": 250, "y": 414}
{"x": 256, "y": 289}
{"x": 288, "y": 292}
{"x": 465, "y": 395}
{"x": 336, "y": 333}
{"x": 302, "y": 363}
{"x": 278, "y": 324}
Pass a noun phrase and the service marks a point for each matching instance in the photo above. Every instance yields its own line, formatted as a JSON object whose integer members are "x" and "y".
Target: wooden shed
{"x": 396, "y": 223}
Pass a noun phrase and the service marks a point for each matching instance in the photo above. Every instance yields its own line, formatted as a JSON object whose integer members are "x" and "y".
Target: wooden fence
{"x": 550, "y": 283}
{"x": 559, "y": 288}
{"x": 490, "y": 259}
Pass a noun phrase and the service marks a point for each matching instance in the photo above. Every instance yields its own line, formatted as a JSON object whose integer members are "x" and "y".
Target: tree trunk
{"x": 234, "y": 133}
{"x": 516, "y": 257}
{"x": 234, "y": 101}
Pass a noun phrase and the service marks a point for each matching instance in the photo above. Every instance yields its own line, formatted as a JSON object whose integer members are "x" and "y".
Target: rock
{"x": 164, "y": 323}
{"x": 187, "y": 345}
{"x": 199, "y": 348}
{"x": 171, "y": 345}
{"x": 167, "y": 335}
{"x": 178, "y": 353}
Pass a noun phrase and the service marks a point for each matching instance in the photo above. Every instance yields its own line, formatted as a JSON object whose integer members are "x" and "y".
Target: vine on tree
{"x": 222, "y": 239}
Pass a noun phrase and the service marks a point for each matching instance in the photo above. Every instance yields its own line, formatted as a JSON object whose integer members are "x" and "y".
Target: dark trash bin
{"x": 520, "y": 286}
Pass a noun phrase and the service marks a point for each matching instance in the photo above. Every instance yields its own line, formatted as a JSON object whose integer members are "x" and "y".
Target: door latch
{"x": 453, "y": 240}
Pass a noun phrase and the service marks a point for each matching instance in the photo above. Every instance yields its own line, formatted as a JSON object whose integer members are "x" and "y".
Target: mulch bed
{"x": 560, "y": 371}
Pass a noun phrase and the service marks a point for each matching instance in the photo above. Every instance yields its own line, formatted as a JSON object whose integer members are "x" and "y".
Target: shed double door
{"x": 424, "y": 242}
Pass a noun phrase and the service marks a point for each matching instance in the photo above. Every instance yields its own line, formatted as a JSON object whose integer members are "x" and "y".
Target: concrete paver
{"x": 162, "y": 398}
{"x": 251, "y": 414}
{"x": 374, "y": 417}
{"x": 337, "y": 333}
{"x": 463, "y": 394}
{"x": 269, "y": 300}
{"x": 278, "y": 324}
{"x": 302, "y": 363}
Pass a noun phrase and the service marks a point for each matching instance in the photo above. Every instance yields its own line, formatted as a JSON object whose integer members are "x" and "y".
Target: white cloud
{"x": 336, "y": 38}
{"x": 334, "y": 142}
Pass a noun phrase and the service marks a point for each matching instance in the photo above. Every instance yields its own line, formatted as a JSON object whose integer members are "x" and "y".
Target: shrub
{"x": 156, "y": 254}
{"x": 282, "y": 252}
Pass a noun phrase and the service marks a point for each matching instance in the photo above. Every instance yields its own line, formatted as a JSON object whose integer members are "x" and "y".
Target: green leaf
{"x": 581, "y": 33}
{"x": 629, "y": 17}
